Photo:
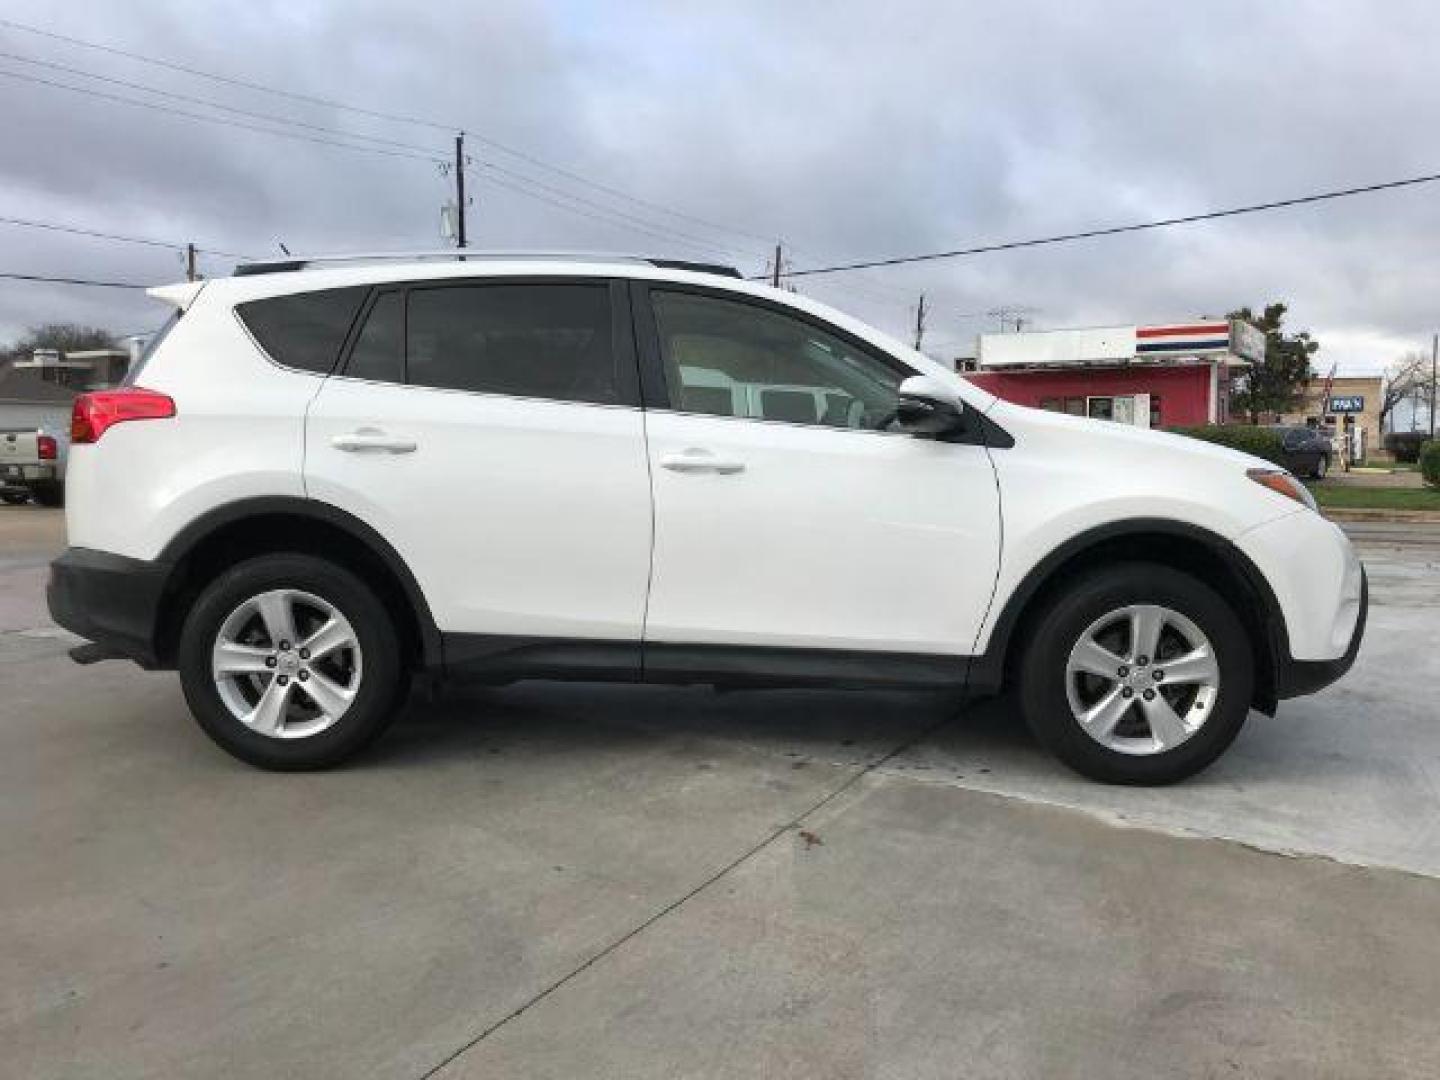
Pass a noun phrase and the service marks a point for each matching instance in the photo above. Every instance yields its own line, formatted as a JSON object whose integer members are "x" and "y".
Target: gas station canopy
{"x": 1237, "y": 342}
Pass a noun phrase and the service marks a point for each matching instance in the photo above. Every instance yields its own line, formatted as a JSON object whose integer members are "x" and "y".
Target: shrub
{"x": 1262, "y": 442}
{"x": 1430, "y": 462}
{"x": 1405, "y": 445}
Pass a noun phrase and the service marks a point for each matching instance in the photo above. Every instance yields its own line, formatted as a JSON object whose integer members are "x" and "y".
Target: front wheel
{"x": 1137, "y": 674}
{"x": 290, "y": 662}
{"x": 1322, "y": 466}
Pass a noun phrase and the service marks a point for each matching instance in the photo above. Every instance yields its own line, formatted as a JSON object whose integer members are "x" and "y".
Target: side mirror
{"x": 927, "y": 408}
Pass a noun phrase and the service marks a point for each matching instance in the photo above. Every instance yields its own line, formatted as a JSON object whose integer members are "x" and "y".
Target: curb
{"x": 1395, "y": 517}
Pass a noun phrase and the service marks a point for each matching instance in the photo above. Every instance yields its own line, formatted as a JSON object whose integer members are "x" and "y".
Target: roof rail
{"x": 305, "y": 262}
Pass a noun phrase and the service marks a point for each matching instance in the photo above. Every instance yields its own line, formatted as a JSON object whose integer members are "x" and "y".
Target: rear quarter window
{"x": 303, "y": 330}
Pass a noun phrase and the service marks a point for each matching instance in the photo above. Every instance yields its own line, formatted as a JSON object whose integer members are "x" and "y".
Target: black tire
{"x": 382, "y": 685}
{"x": 1065, "y": 618}
{"x": 15, "y": 498}
{"x": 49, "y": 493}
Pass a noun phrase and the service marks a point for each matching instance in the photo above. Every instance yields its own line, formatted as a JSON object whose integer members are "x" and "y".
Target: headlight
{"x": 1282, "y": 483}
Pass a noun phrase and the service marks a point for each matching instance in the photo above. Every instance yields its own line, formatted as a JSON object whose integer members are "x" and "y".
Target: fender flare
{"x": 987, "y": 670}
{"x": 208, "y": 524}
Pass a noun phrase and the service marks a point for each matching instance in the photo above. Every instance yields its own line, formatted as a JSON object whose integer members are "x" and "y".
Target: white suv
{"x": 328, "y": 475}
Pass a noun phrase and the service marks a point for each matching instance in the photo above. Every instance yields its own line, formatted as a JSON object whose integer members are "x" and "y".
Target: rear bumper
{"x": 111, "y": 600}
{"x": 22, "y": 475}
{"x": 1296, "y": 678}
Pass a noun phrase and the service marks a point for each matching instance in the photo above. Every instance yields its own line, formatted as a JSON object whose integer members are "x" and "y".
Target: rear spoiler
{"x": 179, "y": 296}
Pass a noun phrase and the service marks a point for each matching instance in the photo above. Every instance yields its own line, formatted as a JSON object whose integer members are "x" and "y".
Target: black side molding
{"x": 500, "y": 659}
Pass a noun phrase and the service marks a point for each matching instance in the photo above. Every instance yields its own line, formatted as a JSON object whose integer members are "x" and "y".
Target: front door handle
{"x": 373, "y": 439}
{"x": 700, "y": 461}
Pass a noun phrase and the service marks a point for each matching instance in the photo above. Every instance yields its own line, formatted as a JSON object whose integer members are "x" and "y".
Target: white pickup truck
{"x": 32, "y": 465}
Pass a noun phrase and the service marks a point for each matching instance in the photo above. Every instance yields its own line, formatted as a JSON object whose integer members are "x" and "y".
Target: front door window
{"x": 728, "y": 358}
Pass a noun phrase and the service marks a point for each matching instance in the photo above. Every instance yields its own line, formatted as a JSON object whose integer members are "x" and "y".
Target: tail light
{"x": 45, "y": 444}
{"x": 96, "y": 412}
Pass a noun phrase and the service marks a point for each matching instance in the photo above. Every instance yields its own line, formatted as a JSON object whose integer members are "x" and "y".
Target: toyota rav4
{"x": 329, "y": 475}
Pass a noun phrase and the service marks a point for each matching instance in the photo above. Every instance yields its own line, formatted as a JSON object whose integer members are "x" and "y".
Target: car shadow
{"x": 838, "y": 727}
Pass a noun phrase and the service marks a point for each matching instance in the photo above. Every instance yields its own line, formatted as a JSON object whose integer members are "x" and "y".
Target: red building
{"x": 1149, "y": 376}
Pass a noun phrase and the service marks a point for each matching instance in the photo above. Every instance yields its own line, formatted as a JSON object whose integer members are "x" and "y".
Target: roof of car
{"x": 292, "y": 263}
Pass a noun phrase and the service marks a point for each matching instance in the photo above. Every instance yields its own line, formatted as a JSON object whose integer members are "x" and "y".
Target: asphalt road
{"x": 563, "y": 881}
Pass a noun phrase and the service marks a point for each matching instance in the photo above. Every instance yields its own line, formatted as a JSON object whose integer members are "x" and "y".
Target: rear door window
{"x": 304, "y": 330}
{"x": 541, "y": 340}
{"x": 379, "y": 351}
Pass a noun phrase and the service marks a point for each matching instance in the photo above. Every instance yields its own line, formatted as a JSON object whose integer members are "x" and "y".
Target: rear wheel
{"x": 291, "y": 662}
{"x": 1137, "y": 674}
{"x": 15, "y": 498}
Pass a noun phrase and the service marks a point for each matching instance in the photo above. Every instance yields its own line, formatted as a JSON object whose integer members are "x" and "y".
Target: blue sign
{"x": 1350, "y": 403}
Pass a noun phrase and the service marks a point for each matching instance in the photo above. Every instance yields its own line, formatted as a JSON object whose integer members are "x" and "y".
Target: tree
{"x": 1277, "y": 383}
{"x": 67, "y": 337}
{"x": 1406, "y": 377}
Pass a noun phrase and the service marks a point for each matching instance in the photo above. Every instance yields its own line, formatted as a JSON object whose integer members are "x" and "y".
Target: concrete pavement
{"x": 630, "y": 882}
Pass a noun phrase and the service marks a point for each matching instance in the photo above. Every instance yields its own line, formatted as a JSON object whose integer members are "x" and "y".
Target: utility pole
{"x": 189, "y": 262}
{"x": 775, "y": 272}
{"x": 1008, "y": 315}
{"x": 920, "y": 322}
{"x": 460, "y": 190}
{"x": 1434, "y": 401}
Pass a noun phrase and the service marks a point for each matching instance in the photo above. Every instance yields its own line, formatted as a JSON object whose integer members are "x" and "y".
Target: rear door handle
{"x": 700, "y": 461}
{"x": 373, "y": 439}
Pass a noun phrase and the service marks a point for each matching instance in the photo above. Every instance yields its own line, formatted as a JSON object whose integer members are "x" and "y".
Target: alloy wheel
{"x": 287, "y": 664}
{"x": 1142, "y": 679}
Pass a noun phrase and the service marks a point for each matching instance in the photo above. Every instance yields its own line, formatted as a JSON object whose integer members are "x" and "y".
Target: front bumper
{"x": 1296, "y": 678}
{"x": 112, "y": 600}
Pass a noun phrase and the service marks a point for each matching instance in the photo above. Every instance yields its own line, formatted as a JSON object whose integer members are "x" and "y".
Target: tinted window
{"x": 730, "y": 358}
{"x": 378, "y": 353}
{"x": 541, "y": 341}
{"x": 304, "y": 330}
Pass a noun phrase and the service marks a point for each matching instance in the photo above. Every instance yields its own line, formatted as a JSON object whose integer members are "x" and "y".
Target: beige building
{"x": 1350, "y": 405}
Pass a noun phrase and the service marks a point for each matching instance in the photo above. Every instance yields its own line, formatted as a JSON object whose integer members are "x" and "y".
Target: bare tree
{"x": 1407, "y": 377}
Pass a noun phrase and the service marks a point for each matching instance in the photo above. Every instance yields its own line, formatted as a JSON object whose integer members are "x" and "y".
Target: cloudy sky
{"x": 704, "y": 130}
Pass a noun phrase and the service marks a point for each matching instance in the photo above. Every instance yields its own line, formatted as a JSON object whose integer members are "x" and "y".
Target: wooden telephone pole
{"x": 460, "y": 190}
{"x": 775, "y": 271}
{"x": 920, "y": 322}
{"x": 1434, "y": 363}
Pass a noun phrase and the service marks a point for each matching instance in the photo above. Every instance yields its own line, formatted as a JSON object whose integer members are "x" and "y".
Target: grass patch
{"x": 1363, "y": 498}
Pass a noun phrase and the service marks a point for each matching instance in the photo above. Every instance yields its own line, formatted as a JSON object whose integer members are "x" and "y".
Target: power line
{"x": 670, "y": 235}
{"x": 207, "y": 103}
{"x": 377, "y": 114}
{"x": 700, "y": 240}
{"x": 628, "y": 223}
{"x": 228, "y": 80}
{"x": 1116, "y": 230}
{"x": 223, "y": 122}
{"x": 72, "y": 281}
{"x": 624, "y": 220}
{"x": 149, "y": 242}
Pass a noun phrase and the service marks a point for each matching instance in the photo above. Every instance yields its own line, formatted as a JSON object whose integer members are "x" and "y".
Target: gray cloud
{"x": 851, "y": 130}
